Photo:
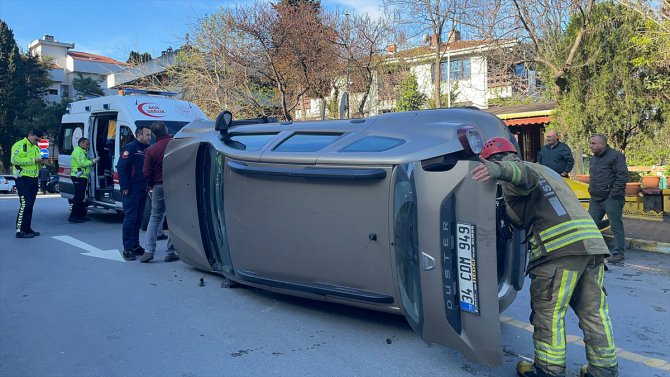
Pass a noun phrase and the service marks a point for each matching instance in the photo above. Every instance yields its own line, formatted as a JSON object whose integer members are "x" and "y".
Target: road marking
{"x": 92, "y": 251}
{"x": 648, "y": 361}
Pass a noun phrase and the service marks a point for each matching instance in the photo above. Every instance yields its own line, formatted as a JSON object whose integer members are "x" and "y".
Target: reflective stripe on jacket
{"x": 541, "y": 202}
{"x": 80, "y": 163}
{"x": 23, "y": 155}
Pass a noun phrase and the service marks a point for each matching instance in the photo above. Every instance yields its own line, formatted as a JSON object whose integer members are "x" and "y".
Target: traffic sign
{"x": 43, "y": 144}
{"x": 44, "y": 153}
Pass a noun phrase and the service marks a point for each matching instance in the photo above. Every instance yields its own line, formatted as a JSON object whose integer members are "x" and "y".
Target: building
{"x": 470, "y": 71}
{"x": 69, "y": 64}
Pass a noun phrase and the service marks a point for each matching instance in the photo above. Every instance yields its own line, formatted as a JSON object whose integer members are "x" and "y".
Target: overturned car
{"x": 379, "y": 213}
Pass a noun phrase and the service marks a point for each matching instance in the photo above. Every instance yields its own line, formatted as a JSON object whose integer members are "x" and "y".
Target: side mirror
{"x": 223, "y": 122}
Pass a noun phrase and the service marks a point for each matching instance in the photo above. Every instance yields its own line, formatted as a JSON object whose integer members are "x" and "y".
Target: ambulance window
{"x": 68, "y": 136}
{"x": 125, "y": 136}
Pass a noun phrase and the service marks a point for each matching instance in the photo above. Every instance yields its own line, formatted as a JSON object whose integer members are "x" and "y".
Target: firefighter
{"x": 566, "y": 262}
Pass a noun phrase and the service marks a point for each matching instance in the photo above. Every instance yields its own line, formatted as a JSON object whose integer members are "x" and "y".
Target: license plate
{"x": 467, "y": 267}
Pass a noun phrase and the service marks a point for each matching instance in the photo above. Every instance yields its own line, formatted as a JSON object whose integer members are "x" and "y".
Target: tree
{"x": 544, "y": 22}
{"x": 24, "y": 79}
{"x": 607, "y": 92}
{"x": 409, "y": 97}
{"x": 87, "y": 86}
{"x": 136, "y": 58}
{"x": 432, "y": 17}
{"x": 362, "y": 42}
{"x": 45, "y": 117}
{"x": 283, "y": 45}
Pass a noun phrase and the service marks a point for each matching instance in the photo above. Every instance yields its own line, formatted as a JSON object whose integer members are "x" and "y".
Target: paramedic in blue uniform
{"x": 134, "y": 189}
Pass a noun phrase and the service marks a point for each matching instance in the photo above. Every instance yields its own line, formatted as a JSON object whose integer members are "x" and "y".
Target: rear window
{"x": 249, "y": 142}
{"x": 307, "y": 142}
{"x": 373, "y": 144}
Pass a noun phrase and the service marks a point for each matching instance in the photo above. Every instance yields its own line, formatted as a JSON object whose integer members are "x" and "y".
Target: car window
{"x": 172, "y": 126}
{"x": 249, "y": 142}
{"x": 373, "y": 144}
{"x": 307, "y": 142}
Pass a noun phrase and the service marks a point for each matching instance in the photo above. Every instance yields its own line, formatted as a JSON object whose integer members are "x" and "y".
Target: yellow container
{"x": 634, "y": 203}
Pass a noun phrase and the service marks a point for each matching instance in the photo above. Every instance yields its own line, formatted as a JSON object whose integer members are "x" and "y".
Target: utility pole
{"x": 346, "y": 14}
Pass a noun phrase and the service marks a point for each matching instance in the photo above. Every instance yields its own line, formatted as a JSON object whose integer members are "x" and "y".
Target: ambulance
{"x": 110, "y": 123}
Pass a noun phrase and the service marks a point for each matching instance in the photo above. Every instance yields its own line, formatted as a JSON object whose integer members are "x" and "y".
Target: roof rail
{"x": 127, "y": 91}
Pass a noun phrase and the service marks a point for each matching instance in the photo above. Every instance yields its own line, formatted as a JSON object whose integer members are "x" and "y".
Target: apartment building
{"x": 69, "y": 64}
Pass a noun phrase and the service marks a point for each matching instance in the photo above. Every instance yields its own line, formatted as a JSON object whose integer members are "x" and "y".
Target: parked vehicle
{"x": 378, "y": 213}
{"x": 7, "y": 184}
{"x": 52, "y": 184}
{"x": 110, "y": 123}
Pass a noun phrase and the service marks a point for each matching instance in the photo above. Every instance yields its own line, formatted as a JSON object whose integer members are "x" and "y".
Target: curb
{"x": 633, "y": 243}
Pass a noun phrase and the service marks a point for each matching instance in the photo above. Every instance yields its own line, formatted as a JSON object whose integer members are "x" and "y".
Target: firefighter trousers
{"x": 575, "y": 281}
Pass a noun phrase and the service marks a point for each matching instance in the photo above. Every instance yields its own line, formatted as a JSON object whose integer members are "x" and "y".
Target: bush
{"x": 634, "y": 176}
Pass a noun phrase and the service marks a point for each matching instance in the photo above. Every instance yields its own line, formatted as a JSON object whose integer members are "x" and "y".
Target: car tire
{"x": 56, "y": 188}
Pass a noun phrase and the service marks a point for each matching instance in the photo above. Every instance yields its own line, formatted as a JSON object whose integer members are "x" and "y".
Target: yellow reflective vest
{"x": 24, "y": 154}
{"x": 81, "y": 165}
{"x": 541, "y": 202}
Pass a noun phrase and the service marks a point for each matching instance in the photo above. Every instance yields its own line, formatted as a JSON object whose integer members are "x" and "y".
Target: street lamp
{"x": 346, "y": 14}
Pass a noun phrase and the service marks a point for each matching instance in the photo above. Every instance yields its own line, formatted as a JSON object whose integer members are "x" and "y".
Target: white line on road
{"x": 92, "y": 251}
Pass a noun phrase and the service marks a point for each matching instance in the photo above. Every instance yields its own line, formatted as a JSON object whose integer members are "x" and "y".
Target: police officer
{"x": 134, "y": 189}
{"x": 25, "y": 160}
{"x": 80, "y": 172}
{"x": 566, "y": 262}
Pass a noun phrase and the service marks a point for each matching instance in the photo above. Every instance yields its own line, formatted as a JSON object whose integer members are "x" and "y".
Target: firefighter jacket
{"x": 81, "y": 165}
{"x": 24, "y": 154}
{"x": 541, "y": 202}
{"x": 130, "y": 167}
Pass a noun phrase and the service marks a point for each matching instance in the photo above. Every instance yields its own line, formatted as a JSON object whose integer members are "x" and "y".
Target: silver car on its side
{"x": 379, "y": 213}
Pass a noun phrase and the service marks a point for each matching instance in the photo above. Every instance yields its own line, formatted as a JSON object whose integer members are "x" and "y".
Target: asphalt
{"x": 647, "y": 235}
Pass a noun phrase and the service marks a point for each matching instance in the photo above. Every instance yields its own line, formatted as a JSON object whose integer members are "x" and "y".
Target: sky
{"x": 113, "y": 28}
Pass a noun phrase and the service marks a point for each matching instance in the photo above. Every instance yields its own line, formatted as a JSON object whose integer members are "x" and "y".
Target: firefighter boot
{"x": 584, "y": 371}
{"x": 526, "y": 369}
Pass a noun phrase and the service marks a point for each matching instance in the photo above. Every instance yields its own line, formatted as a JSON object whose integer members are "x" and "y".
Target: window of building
{"x": 460, "y": 70}
{"x": 249, "y": 142}
{"x": 373, "y": 144}
{"x": 53, "y": 92}
{"x": 65, "y": 91}
{"x": 306, "y": 142}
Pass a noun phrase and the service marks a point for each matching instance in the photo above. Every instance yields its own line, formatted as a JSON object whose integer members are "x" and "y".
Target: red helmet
{"x": 497, "y": 145}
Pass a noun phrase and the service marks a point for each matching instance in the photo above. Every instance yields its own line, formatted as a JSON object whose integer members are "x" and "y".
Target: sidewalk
{"x": 645, "y": 235}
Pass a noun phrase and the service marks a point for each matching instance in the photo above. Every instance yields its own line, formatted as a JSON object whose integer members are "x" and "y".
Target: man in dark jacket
{"x": 134, "y": 190}
{"x": 607, "y": 186}
{"x": 556, "y": 155}
{"x": 565, "y": 263}
{"x": 153, "y": 174}
{"x": 44, "y": 178}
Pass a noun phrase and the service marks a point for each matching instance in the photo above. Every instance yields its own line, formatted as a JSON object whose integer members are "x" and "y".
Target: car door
{"x": 445, "y": 238}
